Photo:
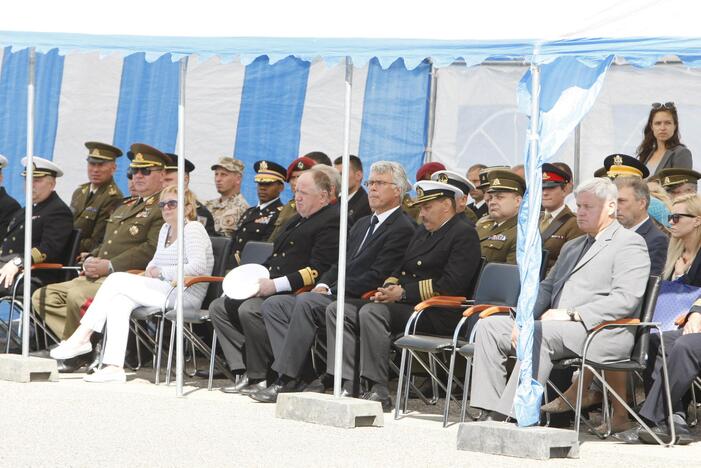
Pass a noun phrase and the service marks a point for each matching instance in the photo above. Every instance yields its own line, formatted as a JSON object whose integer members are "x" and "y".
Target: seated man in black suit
{"x": 358, "y": 206}
{"x": 305, "y": 249}
{"x": 375, "y": 248}
{"x": 442, "y": 259}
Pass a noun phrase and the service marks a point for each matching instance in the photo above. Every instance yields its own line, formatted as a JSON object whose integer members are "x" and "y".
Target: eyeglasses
{"x": 666, "y": 105}
{"x": 170, "y": 204}
{"x": 141, "y": 170}
{"x": 674, "y": 218}
{"x": 377, "y": 183}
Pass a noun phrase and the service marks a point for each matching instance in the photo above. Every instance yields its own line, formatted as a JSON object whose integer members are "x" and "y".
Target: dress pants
{"x": 119, "y": 295}
{"x": 224, "y": 313}
{"x": 59, "y": 303}
{"x": 259, "y": 355}
{"x": 292, "y": 323}
{"x": 371, "y": 328}
{"x": 683, "y": 364}
{"x": 490, "y": 388}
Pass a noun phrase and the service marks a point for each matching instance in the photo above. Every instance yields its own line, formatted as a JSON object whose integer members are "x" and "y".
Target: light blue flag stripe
{"x": 395, "y": 115}
{"x": 13, "y": 111}
{"x": 270, "y": 116}
{"x": 148, "y": 108}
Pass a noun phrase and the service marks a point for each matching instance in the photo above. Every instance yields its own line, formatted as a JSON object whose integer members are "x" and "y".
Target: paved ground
{"x": 72, "y": 423}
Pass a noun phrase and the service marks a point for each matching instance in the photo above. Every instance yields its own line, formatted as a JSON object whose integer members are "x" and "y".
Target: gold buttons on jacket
{"x": 418, "y": 263}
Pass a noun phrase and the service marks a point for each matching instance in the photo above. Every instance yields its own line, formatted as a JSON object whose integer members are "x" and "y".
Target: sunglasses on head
{"x": 170, "y": 204}
{"x": 674, "y": 218}
{"x": 666, "y": 105}
{"x": 142, "y": 170}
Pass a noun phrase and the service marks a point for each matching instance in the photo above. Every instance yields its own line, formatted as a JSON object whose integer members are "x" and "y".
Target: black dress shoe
{"x": 682, "y": 434}
{"x": 254, "y": 387}
{"x": 269, "y": 394}
{"x": 204, "y": 374}
{"x": 316, "y": 386}
{"x": 68, "y": 366}
{"x": 238, "y": 386}
{"x": 385, "y": 400}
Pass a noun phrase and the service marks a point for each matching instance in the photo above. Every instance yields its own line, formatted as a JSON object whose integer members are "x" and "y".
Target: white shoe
{"x": 106, "y": 376}
{"x": 66, "y": 350}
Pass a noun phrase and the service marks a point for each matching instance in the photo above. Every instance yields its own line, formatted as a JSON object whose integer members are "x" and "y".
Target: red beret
{"x": 427, "y": 170}
{"x": 300, "y": 164}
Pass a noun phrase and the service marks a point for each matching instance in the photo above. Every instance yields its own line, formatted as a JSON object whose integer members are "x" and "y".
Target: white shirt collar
{"x": 262, "y": 206}
{"x": 383, "y": 216}
{"x": 478, "y": 204}
{"x": 557, "y": 212}
{"x": 635, "y": 228}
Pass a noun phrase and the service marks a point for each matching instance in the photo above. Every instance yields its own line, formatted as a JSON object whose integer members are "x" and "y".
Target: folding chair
{"x": 15, "y": 300}
{"x": 498, "y": 285}
{"x": 637, "y": 362}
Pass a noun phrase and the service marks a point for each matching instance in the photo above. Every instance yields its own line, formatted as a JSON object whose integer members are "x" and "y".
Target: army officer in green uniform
{"x": 497, "y": 233}
{"x": 93, "y": 202}
{"x": 130, "y": 242}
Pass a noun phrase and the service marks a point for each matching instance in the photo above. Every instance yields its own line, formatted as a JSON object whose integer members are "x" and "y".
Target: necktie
{"x": 368, "y": 234}
{"x": 547, "y": 218}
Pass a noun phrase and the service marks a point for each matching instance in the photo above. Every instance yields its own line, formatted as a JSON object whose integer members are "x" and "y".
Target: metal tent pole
{"x": 28, "y": 206}
{"x": 181, "y": 229}
{"x": 343, "y": 236}
{"x": 428, "y": 153}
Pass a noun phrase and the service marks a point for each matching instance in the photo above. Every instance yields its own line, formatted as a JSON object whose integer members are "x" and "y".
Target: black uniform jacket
{"x": 52, "y": 224}
{"x": 256, "y": 224}
{"x": 358, "y": 206}
{"x": 379, "y": 256}
{"x": 440, "y": 263}
{"x": 8, "y": 206}
{"x": 306, "y": 248}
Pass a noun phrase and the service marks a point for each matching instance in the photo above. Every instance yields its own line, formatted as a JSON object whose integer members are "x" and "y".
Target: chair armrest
{"x": 47, "y": 266}
{"x": 625, "y": 321}
{"x": 681, "y": 319}
{"x": 366, "y": 296}
{"x": 446, "y": 302}
{"x": 304, "y": 289}
{"x": 190, "y": 280}
{"x": 136, "y": 272}
{"x": 494, "y": 310}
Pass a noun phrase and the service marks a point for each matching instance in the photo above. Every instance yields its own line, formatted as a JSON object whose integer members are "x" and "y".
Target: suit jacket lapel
{"x": 429, "y": 243}
{"x": 665, "y": 159}
{"x": 599, "y": 245}
{"x": 384, "y": 226}
{"x": 354, "y": 243}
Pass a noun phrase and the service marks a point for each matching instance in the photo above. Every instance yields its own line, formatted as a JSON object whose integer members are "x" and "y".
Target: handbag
{"x": 675, "y": 297}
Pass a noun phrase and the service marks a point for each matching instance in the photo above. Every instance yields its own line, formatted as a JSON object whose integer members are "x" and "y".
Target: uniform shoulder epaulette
{"x": 112, "y": 191}
{"x": 152, "y": 199}
{"x": 279, "y": 208}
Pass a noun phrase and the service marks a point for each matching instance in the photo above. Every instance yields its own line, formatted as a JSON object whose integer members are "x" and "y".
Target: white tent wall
{"x": 477, "y": 118}
{"x": 616, "y": 121}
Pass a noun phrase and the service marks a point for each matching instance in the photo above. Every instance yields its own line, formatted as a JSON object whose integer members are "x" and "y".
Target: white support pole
{"x": 179, "y": 360}
{"x": 343, "y": 237}
{"x": 428, "y": 153}
{"x": 28, "y": 205}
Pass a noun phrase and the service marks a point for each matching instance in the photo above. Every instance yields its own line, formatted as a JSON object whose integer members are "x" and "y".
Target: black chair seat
{"x": 190, "y": 315}
{"x": 467, "y": 350}
{"x": 144, "y": 312}
{"x": 426, "y": 343}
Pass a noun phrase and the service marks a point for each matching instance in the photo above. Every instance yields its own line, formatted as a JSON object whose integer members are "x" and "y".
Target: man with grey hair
{"x": 598, "y": 277}
{"x": 375, "y": 247}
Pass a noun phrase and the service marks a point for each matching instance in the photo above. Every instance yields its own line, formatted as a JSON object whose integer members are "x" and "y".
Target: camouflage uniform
{"x": 227, "y": 213}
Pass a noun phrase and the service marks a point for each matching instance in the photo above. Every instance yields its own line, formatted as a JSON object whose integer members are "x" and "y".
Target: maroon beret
{"x": 300, "y": 164}
{"x": 427, "y": 170}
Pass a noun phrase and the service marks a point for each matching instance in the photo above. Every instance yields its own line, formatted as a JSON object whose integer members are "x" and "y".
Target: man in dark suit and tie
{"x": 358, "y": 206}
{"x": 599, "y": 277}
{"x": 442, "y": 259}
{"x": 376, "y": 245}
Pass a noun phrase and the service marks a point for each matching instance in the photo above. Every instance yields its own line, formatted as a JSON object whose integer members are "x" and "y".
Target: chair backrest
{"x": 221, "y": 249}
{"x": 499, "y": 284}
{"x": 72, "y": 251}
{"x": 256, "y": 252}
{"x": 476, "y": 278}
{"x": 647, "y": 309}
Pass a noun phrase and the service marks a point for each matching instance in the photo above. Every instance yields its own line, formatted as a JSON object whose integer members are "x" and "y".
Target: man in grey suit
{"x": 598, "y": 277}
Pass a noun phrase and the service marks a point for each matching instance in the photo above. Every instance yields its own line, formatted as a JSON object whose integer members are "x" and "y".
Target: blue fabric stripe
{"x": 13, "y": 111}
{"x": 148, "y": 107}
{"x": 270, "y": 115}
{"x": 395, "y": 115}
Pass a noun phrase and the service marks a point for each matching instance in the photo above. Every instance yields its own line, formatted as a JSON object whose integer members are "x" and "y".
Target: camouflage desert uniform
{"x": 227, "y": 213}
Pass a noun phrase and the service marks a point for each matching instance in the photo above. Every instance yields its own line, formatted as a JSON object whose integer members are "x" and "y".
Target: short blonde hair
{"x": 190, "y": 200}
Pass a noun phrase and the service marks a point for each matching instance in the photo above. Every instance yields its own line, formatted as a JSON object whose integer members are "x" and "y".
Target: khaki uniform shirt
{"x": 90, "y": 213}
{"x": 227, "y": 213}
{"x": 286, "y": 213}
{"x": 498, "y": 243}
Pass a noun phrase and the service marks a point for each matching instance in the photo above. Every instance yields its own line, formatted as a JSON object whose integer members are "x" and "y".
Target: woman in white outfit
{"x": 121, "y": 293}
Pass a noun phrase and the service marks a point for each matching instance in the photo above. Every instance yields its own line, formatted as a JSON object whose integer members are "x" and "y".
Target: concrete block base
{"x": 498, "y": 438}
{"x": 15, "y": 368}
{"x": 328, "y": 410}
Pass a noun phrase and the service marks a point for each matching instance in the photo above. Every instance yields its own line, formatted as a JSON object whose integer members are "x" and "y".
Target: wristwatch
{"x": 17, "y": 261}
{"x": 570, "y": 313}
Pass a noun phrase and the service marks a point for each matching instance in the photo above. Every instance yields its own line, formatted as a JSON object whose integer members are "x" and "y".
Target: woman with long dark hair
{"x": 661, "y": 147}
